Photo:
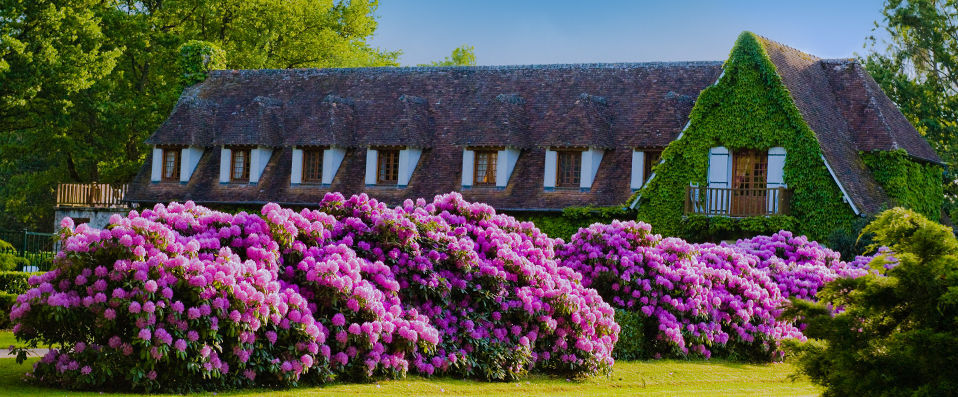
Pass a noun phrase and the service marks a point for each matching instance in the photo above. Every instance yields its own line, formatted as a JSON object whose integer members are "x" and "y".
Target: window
{"x": 387, "y": 163}
{"x": 239, "y": 165}
{"x": 313, "y": 166}
{"x": 749, "y": 173}
{"x": 171, "y": 164}
{"x": 485, "y": 167}
{"x": 652, "y": 158}
{"x": 568, "y": 168}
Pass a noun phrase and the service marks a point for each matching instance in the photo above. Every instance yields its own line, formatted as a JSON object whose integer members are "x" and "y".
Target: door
{"x": 749, "y": 174}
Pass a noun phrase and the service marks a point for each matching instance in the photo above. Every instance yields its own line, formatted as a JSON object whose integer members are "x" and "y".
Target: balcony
{"x": 91, "y": 195}
{"x": 720, "y": 201}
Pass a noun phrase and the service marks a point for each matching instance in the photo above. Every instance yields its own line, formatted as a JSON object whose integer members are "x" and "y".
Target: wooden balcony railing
{"x": 732, "y": 202}
{"x": 90, "y": 195}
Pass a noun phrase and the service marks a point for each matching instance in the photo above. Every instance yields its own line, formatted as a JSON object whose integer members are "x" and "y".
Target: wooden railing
{"x": 736, "y": 202}
{"x": 90, "y": 195}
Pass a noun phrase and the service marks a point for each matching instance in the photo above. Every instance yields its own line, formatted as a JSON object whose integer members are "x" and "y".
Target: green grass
{"x": 650, "y": 378}
{"x": 6, "y": 339}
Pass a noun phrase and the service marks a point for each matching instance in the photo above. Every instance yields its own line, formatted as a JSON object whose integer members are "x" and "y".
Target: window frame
{"x": 177, "y": 155}
{"x": 490, "y": 171}
{"x": 244, "y": 178}
{"x": 576, "y": 176}
{"x": 650, "y": 159}
{"x": 318, "y": 177}
{"x": 381, "y": 167}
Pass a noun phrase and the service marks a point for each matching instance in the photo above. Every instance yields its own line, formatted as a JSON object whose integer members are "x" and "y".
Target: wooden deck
{"x": 91, "y": 195}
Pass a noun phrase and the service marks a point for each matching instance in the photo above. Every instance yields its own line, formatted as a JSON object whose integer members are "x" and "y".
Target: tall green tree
{"x": 461, "y": 56}
{"x": 100, "y": 135}
{"x": 50, "y": 51}
{"x": 917, "y": 66}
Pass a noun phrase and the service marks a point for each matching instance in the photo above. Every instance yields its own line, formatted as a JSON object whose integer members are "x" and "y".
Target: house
{"x": 542, "y": 138}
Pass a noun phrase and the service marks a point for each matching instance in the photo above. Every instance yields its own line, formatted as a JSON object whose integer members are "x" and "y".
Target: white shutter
{"x": 259, "y": 157}
{"x": 505, "y": 164}
{"x": 590, "y": 166}
{"x": 549, "y": 178}
{"x": 332, "y": 159}
{"x": 638, "y": 169}
{"x": 408, "y": 159}
{"x": 189, "y": 158}
{"x": 156, "y": 171}
{"x": 225, "y": 160}
{"x": 296, "y": 172}
{"x": 468, "y": 163}
{"x": 776, "y": 176}
{"x": 371, "y": 157}
{"x": 720, "y": 176}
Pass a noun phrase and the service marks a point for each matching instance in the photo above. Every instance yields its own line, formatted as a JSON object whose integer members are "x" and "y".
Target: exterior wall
{"x": 99, "y": 217}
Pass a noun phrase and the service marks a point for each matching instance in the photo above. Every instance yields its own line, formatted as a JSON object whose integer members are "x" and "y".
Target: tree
{"x": 918, "y": 70}
{"x": 50, "y": 50}
{"x": 895, "y": 333}
{"x": 462, "y": 56}
{"x": 100, "y": 135}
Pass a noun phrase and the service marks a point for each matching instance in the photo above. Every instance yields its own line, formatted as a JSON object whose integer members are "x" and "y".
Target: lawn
{"x": 657, "y": 378}
{"x": 651, "y": 378}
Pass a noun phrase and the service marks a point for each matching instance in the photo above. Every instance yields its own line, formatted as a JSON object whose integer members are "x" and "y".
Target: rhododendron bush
{"x": 702, "y": 299}
{"x": 180, "y": 297}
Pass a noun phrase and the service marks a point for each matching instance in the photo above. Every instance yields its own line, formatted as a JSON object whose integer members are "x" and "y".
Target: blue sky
{"x": 565, "y": 31}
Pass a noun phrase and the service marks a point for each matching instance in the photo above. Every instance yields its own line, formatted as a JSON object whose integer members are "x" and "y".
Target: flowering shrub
{"x": 481, "y": 292}
{"x": 800, "y": 267}
{"x": 181, "y": 298}
{"x": 706, "y": 298}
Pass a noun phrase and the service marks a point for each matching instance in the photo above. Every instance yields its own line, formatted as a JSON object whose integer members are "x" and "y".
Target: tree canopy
{"x": 83, "y": 83}
{"x": 464, "y": 55}
{"x": 917, "y": 67}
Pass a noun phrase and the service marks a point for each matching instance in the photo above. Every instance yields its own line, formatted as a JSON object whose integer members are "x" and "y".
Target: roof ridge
{"x": 407, "y": 69}
{"x": 788, "y": 47}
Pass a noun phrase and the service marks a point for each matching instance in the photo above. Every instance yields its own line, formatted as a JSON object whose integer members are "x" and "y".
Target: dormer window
{"x": 313, "y": 165}
{"x": 387, "y": 162}
{"x": 569, "y": 168}
{"x": 171, "y": 165}
{"x": 239, "y": 165}
{"x": 485, "y": 166}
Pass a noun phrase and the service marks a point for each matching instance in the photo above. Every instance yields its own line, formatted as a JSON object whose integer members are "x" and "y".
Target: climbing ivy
{"x": 701, "y": 228}
{"x": 749, "y": 108}
{"x": 909, "y": 183}
{"x": 197, "y": 58}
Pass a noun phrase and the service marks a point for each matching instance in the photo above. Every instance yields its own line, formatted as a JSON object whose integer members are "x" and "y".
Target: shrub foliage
{"x": 898, "y": 331}
{"x": 181, "y": 298}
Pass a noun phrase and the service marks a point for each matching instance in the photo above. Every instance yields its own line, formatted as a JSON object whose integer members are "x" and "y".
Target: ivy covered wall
{"x": 911, "y": 184}
{"x": 749, "y": 108}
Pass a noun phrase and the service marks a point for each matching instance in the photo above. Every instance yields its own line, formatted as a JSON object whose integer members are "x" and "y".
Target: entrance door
{"x": 749, "y": 174}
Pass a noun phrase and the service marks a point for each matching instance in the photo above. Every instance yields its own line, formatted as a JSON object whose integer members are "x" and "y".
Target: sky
{"x": 565, "y": 31}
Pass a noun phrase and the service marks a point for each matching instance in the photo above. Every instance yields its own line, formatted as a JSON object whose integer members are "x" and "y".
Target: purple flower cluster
{"x": 706, "y": 297}
{"x": 800, "y": 267}
{"x": 180, "y": 297}
{"x": 471, "y": 292}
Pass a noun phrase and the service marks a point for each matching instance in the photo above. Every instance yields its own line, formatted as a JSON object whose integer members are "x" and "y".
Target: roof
{"x": 615, "y": 106}
{"x": 847, "y": 111}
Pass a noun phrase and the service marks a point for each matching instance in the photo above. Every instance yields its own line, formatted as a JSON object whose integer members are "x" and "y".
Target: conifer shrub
{"x": 896, "y": 333}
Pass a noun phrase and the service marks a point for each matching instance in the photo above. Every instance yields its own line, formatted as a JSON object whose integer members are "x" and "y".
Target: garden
{"x": 449, "y": 296}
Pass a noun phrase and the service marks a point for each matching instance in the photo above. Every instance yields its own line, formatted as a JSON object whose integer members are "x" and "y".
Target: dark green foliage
{"x": 12, "y": 284}
{"x": 898, "y": 333}
{"x": 911, "y": 184}
{"x": 15, "y": 282}
{"x": 700, "y": 228}
{"x": 850, "y": 241}
{"x": 10, "y": 261}
{"x": 631, "y": 344}
{"x": 197, "y": 58}
{"x": 749, "y": 108}
{"x": 566, "y": 223}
